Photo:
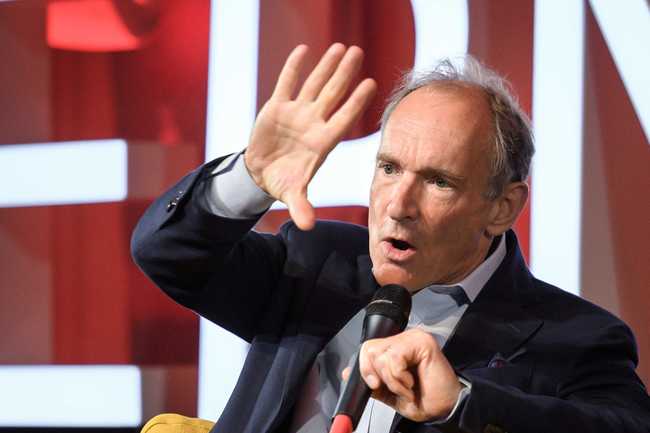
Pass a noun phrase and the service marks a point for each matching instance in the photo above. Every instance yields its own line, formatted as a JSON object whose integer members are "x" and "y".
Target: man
{"x": 491, "y": 349}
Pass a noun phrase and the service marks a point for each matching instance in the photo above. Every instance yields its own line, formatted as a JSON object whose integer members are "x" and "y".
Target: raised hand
{"x": 292, "y": 136}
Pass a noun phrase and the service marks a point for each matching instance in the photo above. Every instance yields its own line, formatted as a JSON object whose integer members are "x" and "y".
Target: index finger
{"x": 343, "y": 119}
{"x": 290, "y": 73}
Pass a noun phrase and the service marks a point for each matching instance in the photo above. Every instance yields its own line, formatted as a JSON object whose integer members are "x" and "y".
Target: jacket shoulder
{"x": 588, "y": 323}
{"x": 553, "y": 296}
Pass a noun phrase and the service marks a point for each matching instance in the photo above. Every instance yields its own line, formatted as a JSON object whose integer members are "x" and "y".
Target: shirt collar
{"x": 474, "y": 282}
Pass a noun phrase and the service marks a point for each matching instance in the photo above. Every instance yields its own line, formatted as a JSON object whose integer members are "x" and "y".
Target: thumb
{"x": 301, "y": 211}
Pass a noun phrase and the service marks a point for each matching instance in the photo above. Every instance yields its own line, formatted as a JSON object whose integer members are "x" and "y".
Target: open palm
{"x": 292, "y": 136}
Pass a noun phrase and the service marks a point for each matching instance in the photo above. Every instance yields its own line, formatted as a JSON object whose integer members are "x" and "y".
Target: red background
{"x": 70, "y": 293}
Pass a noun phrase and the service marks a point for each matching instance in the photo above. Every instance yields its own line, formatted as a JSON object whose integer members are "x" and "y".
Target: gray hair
{"x": 513, "y": 138}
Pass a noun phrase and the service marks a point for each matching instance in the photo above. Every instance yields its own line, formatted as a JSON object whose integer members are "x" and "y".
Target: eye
{"x": 387, "y": 167}
{"x": 440, "y": 182}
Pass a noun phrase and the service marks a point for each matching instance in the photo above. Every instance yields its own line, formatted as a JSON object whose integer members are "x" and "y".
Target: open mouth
{"x": 398, "y": 250}
{"x": 400, "y": 245}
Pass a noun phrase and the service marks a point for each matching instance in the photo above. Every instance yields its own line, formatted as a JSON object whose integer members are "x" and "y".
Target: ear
{"x": 507, "y": 207}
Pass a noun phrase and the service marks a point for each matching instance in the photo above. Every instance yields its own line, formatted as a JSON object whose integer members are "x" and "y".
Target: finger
{"x": 366, "y": 365}
{"x": 406, "y": 378}
{"x": 301, "y": 211}
{"x": 343, "y": 119}
{"x": 322, "y": 72}
{"x": 399, "y": 370}
{"x": 338, "y": 84}
{"x": 345, "y": 374}
{"x": 290, "y": 73}
{"x": 385, "y": 364}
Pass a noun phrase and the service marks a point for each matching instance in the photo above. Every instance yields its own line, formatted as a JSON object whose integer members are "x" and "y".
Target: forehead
{"x": 434, "y": 120}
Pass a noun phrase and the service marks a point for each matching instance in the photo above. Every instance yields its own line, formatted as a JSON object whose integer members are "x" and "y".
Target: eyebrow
{"x": 425, "y": 172}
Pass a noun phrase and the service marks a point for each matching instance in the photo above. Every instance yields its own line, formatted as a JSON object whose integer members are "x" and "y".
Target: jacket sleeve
{"x": 601, "y": 393}
{"x": 216, "y": 266}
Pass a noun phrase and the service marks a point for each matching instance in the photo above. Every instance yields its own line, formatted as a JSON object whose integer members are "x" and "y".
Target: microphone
{"x": 387, "y": 314}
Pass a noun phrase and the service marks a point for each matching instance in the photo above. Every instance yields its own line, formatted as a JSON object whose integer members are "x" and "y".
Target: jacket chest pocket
{"x": 509, "y": 375}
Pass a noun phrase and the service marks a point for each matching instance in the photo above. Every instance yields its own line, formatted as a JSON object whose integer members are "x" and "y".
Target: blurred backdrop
{"x": 104, "y": 103}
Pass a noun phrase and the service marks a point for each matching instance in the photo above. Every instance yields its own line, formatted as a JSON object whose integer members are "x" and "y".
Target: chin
{"x": 391, "y": 274}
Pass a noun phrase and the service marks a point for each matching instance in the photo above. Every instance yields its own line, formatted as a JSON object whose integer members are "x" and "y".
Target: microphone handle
{"x": 354, "y": 398}
{"x": 356, "y": 393}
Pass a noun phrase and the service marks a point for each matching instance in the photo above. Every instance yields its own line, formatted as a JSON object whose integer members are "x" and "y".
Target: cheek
{"x": 372, "y": 222}
{"x": 458, "y": 229}
{"x": 439, "y": 221}
{"x": 374, "y": 211}
{"x": 373, "y": 232}
{"x": 447, "y": 228}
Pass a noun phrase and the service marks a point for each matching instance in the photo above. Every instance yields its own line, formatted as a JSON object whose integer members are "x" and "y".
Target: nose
{"x": 403, "y": 203}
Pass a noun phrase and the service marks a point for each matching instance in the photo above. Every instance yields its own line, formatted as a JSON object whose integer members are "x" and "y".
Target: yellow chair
{"x": 174, "y": 423}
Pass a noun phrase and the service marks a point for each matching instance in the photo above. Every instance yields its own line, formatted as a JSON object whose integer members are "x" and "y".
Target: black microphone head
{"x": 392, "y": 301}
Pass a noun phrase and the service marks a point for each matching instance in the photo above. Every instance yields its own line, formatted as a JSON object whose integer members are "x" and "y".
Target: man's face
{"x": 428, "y": 211}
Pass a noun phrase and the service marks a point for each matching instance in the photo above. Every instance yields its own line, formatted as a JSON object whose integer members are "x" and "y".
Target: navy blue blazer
{"x": 539, "y": 359}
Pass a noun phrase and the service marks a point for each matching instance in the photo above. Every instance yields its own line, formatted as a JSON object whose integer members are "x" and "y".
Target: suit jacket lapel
{"x": 497, "y": 321}
{"x": 488, "y": 329}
